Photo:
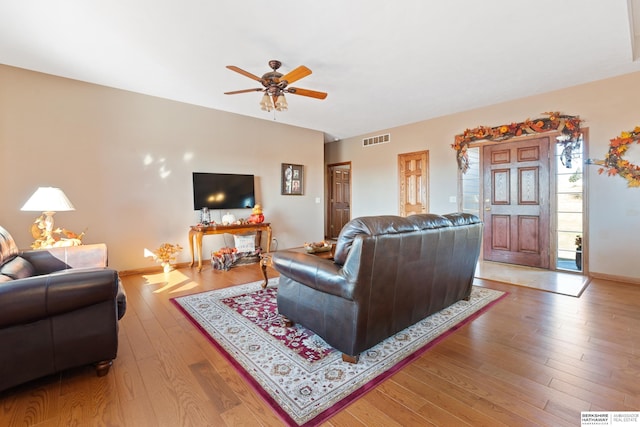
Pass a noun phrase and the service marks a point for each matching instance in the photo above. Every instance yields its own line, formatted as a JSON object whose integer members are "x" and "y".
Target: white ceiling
{"x": 384, "y": 63}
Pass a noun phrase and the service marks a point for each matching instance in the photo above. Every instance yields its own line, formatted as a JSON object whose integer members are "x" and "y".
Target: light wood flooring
{"x": 535, "y": 358}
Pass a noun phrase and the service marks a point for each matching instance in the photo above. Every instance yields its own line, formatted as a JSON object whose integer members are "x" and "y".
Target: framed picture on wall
{"x": 292, "y": 179}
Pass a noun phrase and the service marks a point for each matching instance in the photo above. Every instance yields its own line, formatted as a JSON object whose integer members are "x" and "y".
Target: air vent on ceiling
{"x": 374, "y": 140}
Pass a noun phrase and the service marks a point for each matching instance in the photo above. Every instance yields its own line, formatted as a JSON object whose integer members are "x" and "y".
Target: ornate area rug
{"x": 294, "y": 370}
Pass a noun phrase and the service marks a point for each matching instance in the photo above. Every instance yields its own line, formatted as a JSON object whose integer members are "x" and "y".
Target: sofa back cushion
{"x": 383, "y": 224}
{"x": 8, "y": 248}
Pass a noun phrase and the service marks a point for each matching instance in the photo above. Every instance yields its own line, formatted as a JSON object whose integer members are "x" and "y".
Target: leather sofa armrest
{"x": 314, "y": 272}
{"x": 38, "y": 297}
{"x": 48, "y": 260}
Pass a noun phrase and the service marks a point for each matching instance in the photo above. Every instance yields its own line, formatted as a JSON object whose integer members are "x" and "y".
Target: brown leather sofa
{"x": 388, "y": 273}
{"x": 59, "y": 308}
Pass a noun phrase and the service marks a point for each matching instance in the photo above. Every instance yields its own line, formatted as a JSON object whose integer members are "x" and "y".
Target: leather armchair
{"x": 388, "y": 273}
{"x": 59, "y": 308}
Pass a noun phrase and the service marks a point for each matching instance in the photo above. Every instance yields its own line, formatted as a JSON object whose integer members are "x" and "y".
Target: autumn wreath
{"x": 614, "y": 164}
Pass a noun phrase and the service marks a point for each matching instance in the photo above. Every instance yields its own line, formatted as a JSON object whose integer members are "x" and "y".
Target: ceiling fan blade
{"x": 296, "y": 74}
{"x": 244, "y": 91}
{"x": 307, "y": 92}
{"x": 244, "y": 73}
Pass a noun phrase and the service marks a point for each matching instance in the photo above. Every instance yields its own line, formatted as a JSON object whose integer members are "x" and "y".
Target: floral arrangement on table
{"x": 167, "y": 253}
{"x": 54, "y": 238}
{"x": 614, "y": 164}
{"x": 568, "y": 126}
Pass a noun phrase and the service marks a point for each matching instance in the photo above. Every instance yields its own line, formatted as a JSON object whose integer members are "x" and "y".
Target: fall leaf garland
{"x": 615, "y": 164}
{"x": 567, "y": 125}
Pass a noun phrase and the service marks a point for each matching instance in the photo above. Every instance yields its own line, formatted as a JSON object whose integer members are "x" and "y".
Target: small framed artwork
{"x": 292, "y": 179}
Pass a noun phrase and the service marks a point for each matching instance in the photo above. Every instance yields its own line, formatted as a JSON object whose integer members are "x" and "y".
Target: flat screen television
{"x": 223, "y": 191}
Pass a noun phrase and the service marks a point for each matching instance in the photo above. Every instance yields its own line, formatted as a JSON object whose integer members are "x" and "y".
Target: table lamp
{"x": 48, "y": 200}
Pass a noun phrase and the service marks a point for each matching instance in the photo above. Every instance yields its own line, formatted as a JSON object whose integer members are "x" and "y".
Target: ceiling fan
{"x": 276, "y": 84}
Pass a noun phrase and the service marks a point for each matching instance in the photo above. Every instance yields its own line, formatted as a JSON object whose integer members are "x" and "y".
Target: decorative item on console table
{"x": 256, "y": 216}
{"x": 228, "y": 219}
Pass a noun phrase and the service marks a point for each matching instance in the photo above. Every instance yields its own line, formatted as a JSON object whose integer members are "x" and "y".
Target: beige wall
{"x": 125, "y": 161}
{"x": 608, "y": 107}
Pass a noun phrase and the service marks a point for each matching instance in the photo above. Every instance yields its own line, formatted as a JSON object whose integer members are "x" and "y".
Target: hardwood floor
{"x": 535, "y": 358}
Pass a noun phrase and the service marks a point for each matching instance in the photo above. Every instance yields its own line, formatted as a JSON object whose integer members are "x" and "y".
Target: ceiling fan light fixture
{"x": 281, "y": 103}
{"x": 275, "y": 85}
{"x": 266, "y": 104}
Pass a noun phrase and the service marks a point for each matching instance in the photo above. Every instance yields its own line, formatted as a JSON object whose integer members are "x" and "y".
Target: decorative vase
{"x": 579, "y": 259}
{"x": 166, "y": 267}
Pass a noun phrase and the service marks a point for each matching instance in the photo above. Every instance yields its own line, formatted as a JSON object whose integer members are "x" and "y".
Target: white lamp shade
{"x": 48, "y": 199}
{"x": 266, "y": 103}
{"x": 281, "y": 103}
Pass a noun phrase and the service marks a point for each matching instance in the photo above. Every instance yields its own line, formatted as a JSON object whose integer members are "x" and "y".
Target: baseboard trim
{"x": 615, "y": 278}
{"x": 149, "y": 270}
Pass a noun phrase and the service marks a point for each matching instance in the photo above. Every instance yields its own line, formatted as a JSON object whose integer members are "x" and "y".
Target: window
{"x": 569, "y": 208}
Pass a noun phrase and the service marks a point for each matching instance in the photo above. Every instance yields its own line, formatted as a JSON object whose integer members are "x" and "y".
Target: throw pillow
{"x": 17, "y": 268}
{"x": 245, "y": 243}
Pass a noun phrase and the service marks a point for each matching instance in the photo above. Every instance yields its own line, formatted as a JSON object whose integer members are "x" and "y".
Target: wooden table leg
{"x": 191, "y": 233}
{"x": 264, "y": 260}
{"x": 268, "y": 238}
{"x": 199, "y": 249}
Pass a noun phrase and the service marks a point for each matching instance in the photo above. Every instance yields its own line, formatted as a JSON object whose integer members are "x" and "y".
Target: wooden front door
{"x": 413, "y": 176}
{"x": 339, "y": 198}
{"x": 516, "y": 188}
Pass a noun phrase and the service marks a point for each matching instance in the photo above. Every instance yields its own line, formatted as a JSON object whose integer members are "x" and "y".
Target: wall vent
{"x": 375, "y": 140}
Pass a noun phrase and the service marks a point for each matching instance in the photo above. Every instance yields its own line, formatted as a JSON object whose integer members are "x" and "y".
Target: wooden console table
{"x": 197, "y": 231}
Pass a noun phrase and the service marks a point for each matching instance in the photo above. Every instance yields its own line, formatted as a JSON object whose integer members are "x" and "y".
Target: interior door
{"x": 339, "y": 198}
{"x": 413, "y": 173}
{"x": 516, "y": 188}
